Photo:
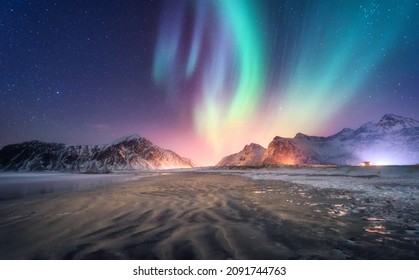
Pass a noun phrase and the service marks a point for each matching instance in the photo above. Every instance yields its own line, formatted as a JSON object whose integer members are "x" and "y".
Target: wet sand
{"x": 191, "y": 215}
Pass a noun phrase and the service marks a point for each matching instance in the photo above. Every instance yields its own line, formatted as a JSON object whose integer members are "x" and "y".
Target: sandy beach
{"x": 216, "y": 215}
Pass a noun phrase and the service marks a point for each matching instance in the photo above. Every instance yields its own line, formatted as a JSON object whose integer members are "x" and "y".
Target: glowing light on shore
{"x": 382, "y": 155}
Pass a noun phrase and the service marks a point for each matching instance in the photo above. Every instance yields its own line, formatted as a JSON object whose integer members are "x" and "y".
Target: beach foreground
{"x": 304, "y": 213}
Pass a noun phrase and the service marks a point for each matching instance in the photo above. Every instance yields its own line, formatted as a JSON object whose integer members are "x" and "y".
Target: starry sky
{"x": 203, "y": 78}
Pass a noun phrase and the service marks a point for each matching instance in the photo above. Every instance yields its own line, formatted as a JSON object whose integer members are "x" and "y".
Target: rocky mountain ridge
{"x": 127, "y": 153}
{"x": 392, "y": 140}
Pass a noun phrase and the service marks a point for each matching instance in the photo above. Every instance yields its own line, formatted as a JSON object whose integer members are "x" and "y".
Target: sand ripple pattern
{"x": 187, "y": 216}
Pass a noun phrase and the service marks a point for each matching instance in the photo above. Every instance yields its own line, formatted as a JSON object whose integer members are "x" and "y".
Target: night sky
{"x": 203, "y": 78}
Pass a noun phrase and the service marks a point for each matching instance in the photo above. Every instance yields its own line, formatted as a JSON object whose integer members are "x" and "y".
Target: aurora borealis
{"x": 203, "y": 78}
{"x": 228, "y": 55}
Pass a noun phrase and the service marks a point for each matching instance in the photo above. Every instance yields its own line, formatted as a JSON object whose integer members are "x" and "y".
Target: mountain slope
{"x": 127, "y": 153}
{"x": 250, "y": 155}
{"x": 392, "y": 140}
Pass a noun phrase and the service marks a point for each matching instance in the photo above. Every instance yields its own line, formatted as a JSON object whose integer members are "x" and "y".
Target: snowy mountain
{"x": 127, "y": 153}
{"x": 250, "y": 155}
{"x": 392, "y": 140}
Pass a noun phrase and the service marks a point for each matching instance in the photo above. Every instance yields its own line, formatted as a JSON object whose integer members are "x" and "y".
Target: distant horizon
{"x": 193, "y": 159}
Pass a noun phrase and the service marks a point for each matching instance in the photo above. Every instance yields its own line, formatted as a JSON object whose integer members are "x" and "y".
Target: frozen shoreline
{"x": 294, "y": 213}
{"x": 388, "y": 194}
{"x": 385, "y": 181}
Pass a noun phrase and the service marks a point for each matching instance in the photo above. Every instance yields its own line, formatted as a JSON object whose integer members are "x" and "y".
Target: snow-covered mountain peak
{"x": 279, "y": 138}
{"x": 395, "y": 122}
{"x": 303, "y": 136}
{"x": 134, "y": 137}
{"x": 252, "y": 146}
{"x": 250, "y": 155}
{"x": 392, "y": 117}
{"x": 344, "y": 133}
{"x": 300, "y": 135}
{"x": 365, "y": 127}
{"x": 392, "y": 140}
{"x": 389, "y": 123}
{"x": 127, "y": 153}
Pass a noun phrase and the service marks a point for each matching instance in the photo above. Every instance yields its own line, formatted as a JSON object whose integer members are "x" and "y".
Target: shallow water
{"x": 206, "y": 216}
{"x": 19, "y": 185}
